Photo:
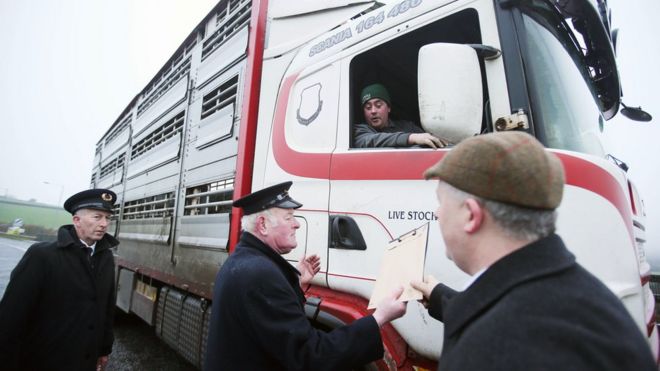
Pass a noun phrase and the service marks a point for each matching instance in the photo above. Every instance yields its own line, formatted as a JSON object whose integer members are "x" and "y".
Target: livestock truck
{"x": 265, "y": 91}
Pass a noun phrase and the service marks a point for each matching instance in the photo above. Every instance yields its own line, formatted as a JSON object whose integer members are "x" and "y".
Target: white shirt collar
{"x": 473, "y": 278}
{"x": 92, "y": 246}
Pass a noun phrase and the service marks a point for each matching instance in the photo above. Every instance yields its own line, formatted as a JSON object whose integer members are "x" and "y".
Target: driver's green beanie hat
{"x": 375, "y": 91}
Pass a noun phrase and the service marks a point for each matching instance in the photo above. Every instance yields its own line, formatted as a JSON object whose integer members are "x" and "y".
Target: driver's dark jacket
{"x": 395, "y": 134}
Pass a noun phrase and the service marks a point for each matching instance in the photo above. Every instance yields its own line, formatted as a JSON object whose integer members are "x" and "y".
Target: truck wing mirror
{"x": 450, "y": 91}
{"x": 635, "y": 113}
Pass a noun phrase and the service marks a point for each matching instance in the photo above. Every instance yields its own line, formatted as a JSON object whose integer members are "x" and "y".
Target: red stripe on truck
{"x": 409, "y": 164}
{"x": 249, "y": 115}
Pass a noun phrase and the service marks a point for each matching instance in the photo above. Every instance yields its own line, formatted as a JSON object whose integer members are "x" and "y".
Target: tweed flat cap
{"x": 509, "y": 167}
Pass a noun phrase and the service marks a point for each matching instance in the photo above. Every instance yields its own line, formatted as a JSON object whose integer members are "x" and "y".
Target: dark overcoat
{"x": 537, "y": 309}
{"x": 57, "y": 310}
{"x": 258, "y": 320}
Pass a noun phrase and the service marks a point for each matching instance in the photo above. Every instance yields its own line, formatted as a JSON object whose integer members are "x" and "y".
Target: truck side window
{"x": 394, "y": 66}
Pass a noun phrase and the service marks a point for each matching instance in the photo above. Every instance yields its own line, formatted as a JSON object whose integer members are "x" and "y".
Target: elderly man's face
{"x": 376, "y": 113}
{"x": 91, "y": 224}
{"x": 281, "y": 230}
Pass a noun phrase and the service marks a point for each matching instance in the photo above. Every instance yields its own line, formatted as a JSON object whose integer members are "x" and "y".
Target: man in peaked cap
{"x": 379, "y": 130}
{"x": 57, "y": 311}
{"x": 258, "y": 319}
{"x": 528, "y": 305}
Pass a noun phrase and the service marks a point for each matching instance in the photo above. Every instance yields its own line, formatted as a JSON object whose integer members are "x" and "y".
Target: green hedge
{"x": 43, "y": 216}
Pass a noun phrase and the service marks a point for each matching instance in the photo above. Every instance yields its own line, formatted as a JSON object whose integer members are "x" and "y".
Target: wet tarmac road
{"x": 11, "y": 252}
{"x": 136, "y": 345}
{"x": 137, "y": 348}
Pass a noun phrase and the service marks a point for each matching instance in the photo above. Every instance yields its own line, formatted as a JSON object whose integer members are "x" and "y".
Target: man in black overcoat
{"x": 529, "y": 305}
{"x": 258, "y": 320}
{"x": 57, "y": 310}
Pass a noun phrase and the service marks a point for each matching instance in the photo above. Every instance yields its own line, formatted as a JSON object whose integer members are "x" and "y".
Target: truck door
{"x": 303, "y": 137}
{"x": 377, "y": 194}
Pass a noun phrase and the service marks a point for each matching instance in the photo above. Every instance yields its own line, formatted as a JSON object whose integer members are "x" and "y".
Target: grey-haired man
{"x": 530, "y": 305}
{"x": 258, "y": 320}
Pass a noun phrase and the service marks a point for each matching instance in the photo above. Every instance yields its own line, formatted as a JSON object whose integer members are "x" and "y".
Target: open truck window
{"x": 395, "y": 65}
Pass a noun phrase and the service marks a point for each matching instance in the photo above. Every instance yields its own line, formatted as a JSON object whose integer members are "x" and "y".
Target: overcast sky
{"x": 69, "y": 67}
{"x": 638, "y": 54}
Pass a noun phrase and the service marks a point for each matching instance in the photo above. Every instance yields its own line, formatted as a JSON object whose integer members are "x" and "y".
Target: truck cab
{"x": 266, "y": 91}
{"x": 458, "y": 68}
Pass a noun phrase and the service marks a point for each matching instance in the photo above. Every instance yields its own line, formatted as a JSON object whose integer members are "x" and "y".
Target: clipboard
{"x": 403, "y": 261}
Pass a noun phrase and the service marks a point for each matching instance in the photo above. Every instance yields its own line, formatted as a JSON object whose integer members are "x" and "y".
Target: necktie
{"x": 88, "y": 253}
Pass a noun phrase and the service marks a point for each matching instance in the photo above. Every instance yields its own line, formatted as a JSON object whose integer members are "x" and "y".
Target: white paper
{"x": 403, "y": 261}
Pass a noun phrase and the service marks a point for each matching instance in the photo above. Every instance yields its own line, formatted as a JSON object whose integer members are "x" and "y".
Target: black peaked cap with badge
{"x": 97, "y": 199}
{"x": 274, "y": 196}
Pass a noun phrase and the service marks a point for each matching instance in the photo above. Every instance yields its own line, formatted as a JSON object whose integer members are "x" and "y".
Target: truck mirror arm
{"x": 486, "y": 52}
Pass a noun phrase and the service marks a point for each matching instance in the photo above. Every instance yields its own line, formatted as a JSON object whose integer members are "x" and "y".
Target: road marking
{"x": 24, "y": 249}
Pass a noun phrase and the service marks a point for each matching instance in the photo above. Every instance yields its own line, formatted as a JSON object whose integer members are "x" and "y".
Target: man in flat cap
{"x": 258, "y": 319}
{"x": 528, "y": 304}
{"x": 379, "y": 130}
{"x": 57, "y": 311}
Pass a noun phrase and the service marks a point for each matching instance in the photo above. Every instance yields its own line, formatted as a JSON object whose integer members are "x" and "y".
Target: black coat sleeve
{"x": 108, "y": 335}
{"x": 18, "y": 303}
{"x": 275, "y": 318}
{"x": 439, "y": 297}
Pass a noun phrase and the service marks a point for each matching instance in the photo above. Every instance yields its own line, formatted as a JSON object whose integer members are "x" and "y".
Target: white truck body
{"x": 267, "y": 91}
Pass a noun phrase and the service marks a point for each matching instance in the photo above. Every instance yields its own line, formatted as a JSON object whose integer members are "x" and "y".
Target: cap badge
{"x": 106, "y": 197}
